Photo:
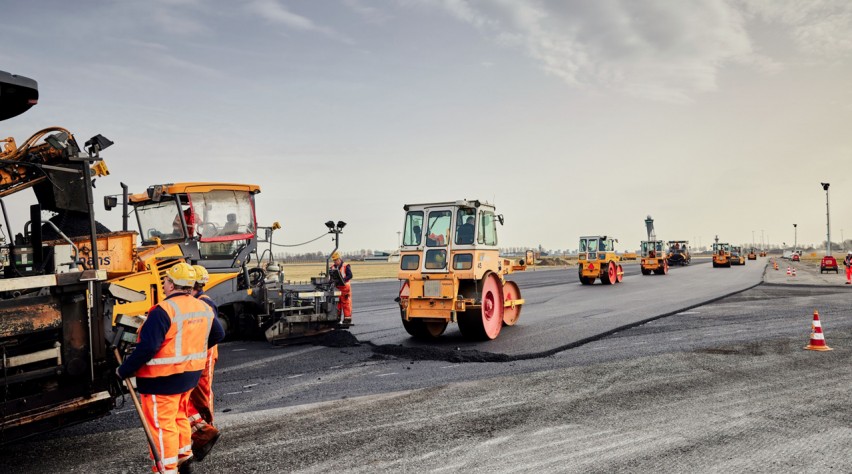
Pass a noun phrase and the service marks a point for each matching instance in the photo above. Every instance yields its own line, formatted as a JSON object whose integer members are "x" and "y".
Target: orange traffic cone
{"x": 775, "y": 264}
{"x": 817, "y": 342}
{"x": 788, "y": 271}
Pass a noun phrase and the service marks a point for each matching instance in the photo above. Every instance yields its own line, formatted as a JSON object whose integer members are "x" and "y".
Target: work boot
{"x": 185, "y": 467}
{"x": 203, "y": 441}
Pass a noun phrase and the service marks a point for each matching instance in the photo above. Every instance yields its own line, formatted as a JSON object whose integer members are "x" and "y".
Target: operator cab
{"x": 593, "y": 246}
{"x": 438, "y": 235}
{"x": 721, "y": 248}
{"x": 653, "y": 249}
{"x": 217, "y": 217}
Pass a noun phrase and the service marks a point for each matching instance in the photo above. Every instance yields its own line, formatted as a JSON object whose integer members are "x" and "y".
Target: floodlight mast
{"x": 827, "y": 222}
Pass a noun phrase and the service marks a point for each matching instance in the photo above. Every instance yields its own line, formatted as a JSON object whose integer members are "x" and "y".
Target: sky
{"x": 715, "y": 117}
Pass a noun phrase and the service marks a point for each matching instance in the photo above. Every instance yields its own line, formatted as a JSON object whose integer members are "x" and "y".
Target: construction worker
{"x": 848, "y": 262}
{"x": 344, "y": 305}
{"x": 170, "y": 354}
{"x": 204, "y": 434}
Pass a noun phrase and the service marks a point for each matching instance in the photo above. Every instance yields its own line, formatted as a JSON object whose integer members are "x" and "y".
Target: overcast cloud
{"x": 579, "y": 117}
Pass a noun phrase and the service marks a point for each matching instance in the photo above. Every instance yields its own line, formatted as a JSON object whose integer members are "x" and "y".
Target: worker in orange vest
{"x": 848, "y": 262}
{"x": 170, "y": 354}
{"x": 344, "y": 304}
{"x": 204, "y": 434}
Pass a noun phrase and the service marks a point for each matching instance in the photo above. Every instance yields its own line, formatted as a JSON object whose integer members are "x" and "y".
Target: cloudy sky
{"x": 574, "y": 117}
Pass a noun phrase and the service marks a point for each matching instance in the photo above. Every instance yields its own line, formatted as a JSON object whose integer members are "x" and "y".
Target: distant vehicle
{"x": 752, "y": 255}
{"x": 654, "y": 257}
{"x": 679, "y": 253}
{"x": 597, "y": 259}
{"x": 737, "y": 257}
{"x": 828, "y": 264}
{"x": 721, "y": 255}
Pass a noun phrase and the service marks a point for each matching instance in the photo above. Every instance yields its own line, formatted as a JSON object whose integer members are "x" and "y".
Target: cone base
{"x": 812, "y": 347}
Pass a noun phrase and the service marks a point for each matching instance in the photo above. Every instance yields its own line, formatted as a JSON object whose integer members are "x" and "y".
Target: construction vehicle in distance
{"x": 721, "y": 254}
{"x": 737, "y": 257}
{"x": 56, "y": 369}
{"x": 654, "y": 257}
{"x": 752, "y": 255}
{"x": 679, "y": 253}
{"x": 597, "y": 259}
{"x": 214, "y": 225}
{"x": 763, "y": 253}
{"x": 450, "y": 270}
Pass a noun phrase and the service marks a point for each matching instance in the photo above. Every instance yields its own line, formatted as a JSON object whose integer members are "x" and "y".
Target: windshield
{"x": 223, "y": 215}
{"x": 160, "y": 219}
{"x": 439, "y": 228}
{"x": 487, "y": 233}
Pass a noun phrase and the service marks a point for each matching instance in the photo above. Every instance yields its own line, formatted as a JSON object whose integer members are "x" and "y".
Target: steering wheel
{"x": 208, "y": 229}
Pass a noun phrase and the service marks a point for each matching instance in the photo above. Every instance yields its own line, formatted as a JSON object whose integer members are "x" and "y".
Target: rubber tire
{"x": 645, "y": 271}
{"x": 422, "y": 330}
{"x": 619, "y": 273}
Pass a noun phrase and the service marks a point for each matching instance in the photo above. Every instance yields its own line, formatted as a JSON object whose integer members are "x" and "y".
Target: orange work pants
{"x": 166, "y": 415}
{"x": 848, "y": 274}
{"x": 201, "y": 397}
{"x": 344, "y": 304}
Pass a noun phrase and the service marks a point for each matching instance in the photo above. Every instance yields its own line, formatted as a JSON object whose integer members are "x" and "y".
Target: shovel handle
{"x": 158, "y": 460}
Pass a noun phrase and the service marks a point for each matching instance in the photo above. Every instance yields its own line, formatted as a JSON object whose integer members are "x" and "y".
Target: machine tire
{"x": 619, "y": 274}
{"x": 422, "y": 330}
{"x": 486, "y": 322}
{"x": 645, "y": 271}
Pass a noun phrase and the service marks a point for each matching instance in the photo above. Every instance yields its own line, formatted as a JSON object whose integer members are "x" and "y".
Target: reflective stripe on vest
{"x": 184, "y": 348}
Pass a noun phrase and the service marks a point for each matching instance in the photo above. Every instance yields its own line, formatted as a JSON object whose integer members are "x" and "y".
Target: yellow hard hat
{"x": 182, "y": 274}
{"x": 335, "y": 256}
{"x": 201, "y": 274}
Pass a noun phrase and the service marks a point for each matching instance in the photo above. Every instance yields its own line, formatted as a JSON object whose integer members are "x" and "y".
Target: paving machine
{"x": 597, "y": 259}
{"x": 752, "y": 255}
{"x": 56, "y": 369}
{"x": 654, "y": 257}
{"x": 214, "y": 225}
{"x": 450, "y": 270}
{"x": 679, "y": 253}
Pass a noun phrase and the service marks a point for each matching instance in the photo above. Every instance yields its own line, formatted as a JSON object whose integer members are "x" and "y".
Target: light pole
{"x": 795, "y": 237}
{"x": 827, "y": 222}
{"x": 335, "y": 229}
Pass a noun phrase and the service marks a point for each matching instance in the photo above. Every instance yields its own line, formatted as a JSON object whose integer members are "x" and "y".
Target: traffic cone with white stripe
{"x": 794, "y": 272}
{"x": 788, "y": 271}
{"x": 817, "y": 342}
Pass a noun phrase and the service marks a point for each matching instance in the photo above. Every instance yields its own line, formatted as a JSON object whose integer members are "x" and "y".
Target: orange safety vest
{"x": 214, "y": 351}
{"x": 184, "y": 348}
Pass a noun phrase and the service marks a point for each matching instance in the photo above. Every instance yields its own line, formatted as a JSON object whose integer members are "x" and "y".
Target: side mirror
{"x": 500, "y": 218}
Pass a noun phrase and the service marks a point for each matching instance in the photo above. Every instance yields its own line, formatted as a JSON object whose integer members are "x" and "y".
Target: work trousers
{"x": 848, "y": 274}
{"x": 344, "y": 304}
{"x": 201, "y": 397}
{"x": 167, "y": 417}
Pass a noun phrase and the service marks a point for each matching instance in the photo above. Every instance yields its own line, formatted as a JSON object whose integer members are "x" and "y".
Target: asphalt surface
{"x": 720, "y": 387}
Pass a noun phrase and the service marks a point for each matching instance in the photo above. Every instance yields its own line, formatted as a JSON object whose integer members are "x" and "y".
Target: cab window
{"x": 465, "y": 224}
{"x": 487, "y": 233}
{"x": 413, "y": 228}
{"x": 439, "y": 229}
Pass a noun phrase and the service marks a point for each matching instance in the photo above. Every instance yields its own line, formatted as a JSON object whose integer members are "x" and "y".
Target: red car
{"x": 795, "y": 257}
{"x": 828, "y": 264}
